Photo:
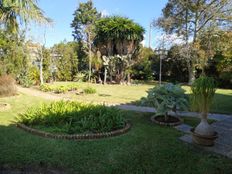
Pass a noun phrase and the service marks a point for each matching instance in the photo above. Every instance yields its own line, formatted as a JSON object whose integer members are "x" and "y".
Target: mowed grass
{"x": 146, "y": 148}
{"x": 132, "y": 94}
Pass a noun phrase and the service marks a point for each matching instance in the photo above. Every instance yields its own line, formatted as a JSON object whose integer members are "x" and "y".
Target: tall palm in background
{"x": 118, "y": 38}
{"x": 19, "y": 12}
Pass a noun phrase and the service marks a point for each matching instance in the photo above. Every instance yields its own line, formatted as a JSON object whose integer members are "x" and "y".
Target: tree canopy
{"x": 117, "y": 35}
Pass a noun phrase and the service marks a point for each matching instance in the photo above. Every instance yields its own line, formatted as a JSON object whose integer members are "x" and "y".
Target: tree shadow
{"x": 16, "y": 156}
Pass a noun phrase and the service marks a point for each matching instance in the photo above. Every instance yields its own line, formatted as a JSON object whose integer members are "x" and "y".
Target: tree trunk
{"x": 90, "y": 57}
{"x": 41, "y": 71}
{"x": 105, "y": 75}
{"x": 191, "y": 74}
{"x": 128, "y": 78}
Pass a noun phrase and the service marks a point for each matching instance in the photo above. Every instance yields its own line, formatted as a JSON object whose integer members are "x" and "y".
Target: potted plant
{"x": 203, "y": 90}
{"x": 166, "y": 98}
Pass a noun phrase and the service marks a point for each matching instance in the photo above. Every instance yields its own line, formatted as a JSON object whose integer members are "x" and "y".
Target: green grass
{"x": 193, "y": 121}
{"x": 132, "y": 95}
{"x": 146, "y": 148}
{"x": 222, "y": 102}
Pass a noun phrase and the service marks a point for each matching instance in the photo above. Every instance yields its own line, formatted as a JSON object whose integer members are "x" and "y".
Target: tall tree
{"x": 66, "y": 60}
{"x": 188, "y": 18}
{"x": 83, "y": 24}
{"x": 14, "y": 11}
{"x": 118, "y": 38}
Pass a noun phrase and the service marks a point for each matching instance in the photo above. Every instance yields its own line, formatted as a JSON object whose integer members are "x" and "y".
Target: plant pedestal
{"x": 205, "y": 140}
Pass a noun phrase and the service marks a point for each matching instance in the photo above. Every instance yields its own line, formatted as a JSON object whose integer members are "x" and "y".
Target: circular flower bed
{"x": 73, "y": 120}
{"x": 171, "y": 121}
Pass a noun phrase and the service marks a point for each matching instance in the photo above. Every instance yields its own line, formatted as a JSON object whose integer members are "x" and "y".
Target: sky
{"x": 61, "y": 12}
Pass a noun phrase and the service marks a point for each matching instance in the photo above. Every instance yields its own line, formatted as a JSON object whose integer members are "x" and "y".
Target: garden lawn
{"x": 146, "y": 148}
{"x": 116, "y": 94}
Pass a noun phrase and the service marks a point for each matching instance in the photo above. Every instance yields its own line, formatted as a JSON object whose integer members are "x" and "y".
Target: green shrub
{"x": 72, "y": 87}
{"x": 60, "y": 89}
{"x": 7, "y": 86}
{"x": 25, "y": 81}
{"x": 79, "y": 77}
{"x": 73, "y": 117}
{"x": 166, "y": 98}
{"x": 46, "y": 88}
{"x": 89, "y": 90}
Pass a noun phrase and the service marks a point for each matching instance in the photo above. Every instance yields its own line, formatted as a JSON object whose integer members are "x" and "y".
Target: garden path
{"x": 223, "y": 144}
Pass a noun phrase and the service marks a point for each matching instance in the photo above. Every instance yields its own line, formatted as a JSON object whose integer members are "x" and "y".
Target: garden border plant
{"x": 74, "y": 120}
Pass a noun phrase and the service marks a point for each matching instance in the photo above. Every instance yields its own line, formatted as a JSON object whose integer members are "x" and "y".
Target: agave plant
{"x": 166, "y": 98}
{"x": 203, "y": 90}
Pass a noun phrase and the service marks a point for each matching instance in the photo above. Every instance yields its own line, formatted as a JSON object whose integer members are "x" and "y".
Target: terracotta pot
{"x": 160, "y": 120}
{"x": 204, "y": 140}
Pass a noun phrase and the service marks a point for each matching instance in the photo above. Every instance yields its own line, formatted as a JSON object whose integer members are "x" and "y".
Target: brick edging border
{"x": 165, "y": 124}
{"x": 75, "y": 136}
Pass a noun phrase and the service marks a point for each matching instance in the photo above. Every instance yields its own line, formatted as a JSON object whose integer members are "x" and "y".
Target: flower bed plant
{"x": 58, "y": 89}
{"x": 73, "y": 118}
{"x": 89, "y": 90}
{"x": 166, "y": 98}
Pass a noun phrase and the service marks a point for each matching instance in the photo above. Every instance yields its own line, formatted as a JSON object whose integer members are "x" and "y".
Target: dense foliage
{"x": 117, "y": 39}
{"x": 189, "y": 19}
{"x": 65, "y": 60}
{"x": 58, "y": 88}
{"x": 73, "y": 117}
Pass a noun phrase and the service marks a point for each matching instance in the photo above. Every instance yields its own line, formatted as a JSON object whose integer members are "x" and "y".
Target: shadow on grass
{"x": 18, "y": 154}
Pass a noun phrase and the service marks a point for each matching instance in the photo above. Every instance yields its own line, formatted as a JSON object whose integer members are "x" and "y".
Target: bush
{"x": 72, "y": 87}
{"x": 46, "y": 88}
{"x": 58, "y": 89}
{"x": 90, "y": 90}
{"x": 25, "y": 81}
{"x": 7, "y": 86}
{"x": 167, "y": 97}
{"x": 79, "y": 77}
{"x": 73, "y": 117}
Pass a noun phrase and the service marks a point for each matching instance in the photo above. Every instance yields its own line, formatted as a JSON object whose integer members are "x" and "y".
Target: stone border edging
{"x": 75, "y": 136}
{"x": 165, "y": 124}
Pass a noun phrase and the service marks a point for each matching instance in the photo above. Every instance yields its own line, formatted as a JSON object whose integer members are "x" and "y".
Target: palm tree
{"x": 118, "y": 37}
{"x": 15, "y": 12}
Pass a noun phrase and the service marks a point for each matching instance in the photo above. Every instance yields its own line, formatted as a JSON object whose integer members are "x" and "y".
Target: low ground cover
{"x": 71, "y": 117}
